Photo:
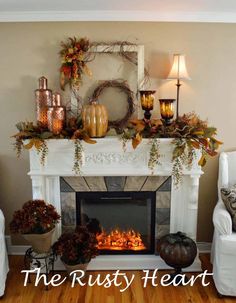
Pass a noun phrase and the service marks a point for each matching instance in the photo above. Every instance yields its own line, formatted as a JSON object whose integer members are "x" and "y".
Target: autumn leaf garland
{"x": 34, "y": 136}
{"x": 189, "y": 132}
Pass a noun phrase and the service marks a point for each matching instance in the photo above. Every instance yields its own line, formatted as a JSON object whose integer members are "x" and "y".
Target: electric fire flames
{"x": 120, "y": 240}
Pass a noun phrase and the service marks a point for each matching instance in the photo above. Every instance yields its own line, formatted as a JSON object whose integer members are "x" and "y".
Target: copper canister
{"x": 56, "y": 115}
{"x": 43, "y": 98}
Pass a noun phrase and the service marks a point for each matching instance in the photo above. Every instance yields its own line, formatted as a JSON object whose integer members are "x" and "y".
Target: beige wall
{"x": 29, "y": 50}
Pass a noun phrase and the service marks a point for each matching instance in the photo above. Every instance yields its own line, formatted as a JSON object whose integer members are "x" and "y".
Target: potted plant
{"x": 77, "y": 248}
{"x": 36, "y": 222}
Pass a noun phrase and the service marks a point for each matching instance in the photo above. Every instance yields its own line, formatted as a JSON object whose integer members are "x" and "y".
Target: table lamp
{"x": 178, "y": 72}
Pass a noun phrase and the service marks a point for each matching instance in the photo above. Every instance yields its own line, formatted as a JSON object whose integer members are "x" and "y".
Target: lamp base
{"x": 178, "y": 84}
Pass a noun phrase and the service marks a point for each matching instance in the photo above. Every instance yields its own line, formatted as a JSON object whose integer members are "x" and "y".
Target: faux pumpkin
{"x": 95, "y": 119}
{"x": 177, "y": 250}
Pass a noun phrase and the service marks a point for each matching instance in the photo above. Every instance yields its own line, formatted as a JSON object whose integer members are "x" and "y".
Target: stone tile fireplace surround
{"x": 159, "y": 185}
{"x": 176, "y": 209}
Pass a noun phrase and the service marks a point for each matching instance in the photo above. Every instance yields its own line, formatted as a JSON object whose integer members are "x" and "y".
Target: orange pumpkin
{"x": 95, "y": 119}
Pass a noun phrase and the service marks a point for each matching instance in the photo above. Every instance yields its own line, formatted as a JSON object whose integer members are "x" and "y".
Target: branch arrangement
{"x": 122, "y": 86}
{"x": 77, "y": 53}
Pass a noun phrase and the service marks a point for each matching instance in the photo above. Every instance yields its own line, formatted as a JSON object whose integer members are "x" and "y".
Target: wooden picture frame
{"x": 113, "y": 49}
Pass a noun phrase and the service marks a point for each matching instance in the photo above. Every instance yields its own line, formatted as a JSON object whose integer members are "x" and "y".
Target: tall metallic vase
{"x": 56, "y": 115}
{"x": 43, "y": 99}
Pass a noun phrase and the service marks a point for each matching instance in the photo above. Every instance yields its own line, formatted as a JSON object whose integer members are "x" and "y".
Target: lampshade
{"x": 178, "y": 70}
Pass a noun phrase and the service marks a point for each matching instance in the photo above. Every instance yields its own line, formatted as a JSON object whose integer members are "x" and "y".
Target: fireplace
{"x": 176, "y": 209}
{"x": 127, "y": 213}
{"x": 124, "y": 222}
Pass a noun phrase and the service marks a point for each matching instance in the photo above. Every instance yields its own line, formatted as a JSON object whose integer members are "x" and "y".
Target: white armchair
{"x": 223, "y": 254}
{"x": 3, "y": 255}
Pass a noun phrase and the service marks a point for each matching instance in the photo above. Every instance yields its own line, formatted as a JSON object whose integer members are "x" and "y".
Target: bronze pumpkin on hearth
{"x": 177, "y": 250}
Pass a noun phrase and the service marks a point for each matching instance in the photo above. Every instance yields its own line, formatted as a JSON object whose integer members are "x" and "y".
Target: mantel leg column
{"x": 184, "y": 210}
{"x": 184, "y": 206}
{"x": 52, "y": 193}
{"x": 48, "y": 188}
{"x": 192, "y": 207}
{"x": 38, "y": 187}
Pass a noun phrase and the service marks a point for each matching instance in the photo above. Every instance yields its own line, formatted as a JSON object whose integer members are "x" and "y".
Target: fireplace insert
{"x": 124, "y": 222}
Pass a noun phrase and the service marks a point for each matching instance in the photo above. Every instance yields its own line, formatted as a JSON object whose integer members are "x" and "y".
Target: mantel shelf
{"x": 107, "y": 158}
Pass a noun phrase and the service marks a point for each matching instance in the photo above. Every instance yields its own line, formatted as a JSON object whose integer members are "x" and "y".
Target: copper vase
{"x": 56, "y": 115}
{"x": 43, "y": 99}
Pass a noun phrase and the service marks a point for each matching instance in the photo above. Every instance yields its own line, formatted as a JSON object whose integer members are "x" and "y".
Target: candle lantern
{"x": 43, "y": 99}
{"x": 147, "y": 102}
{"x": 56, "y": 115}
{"x": 167, "y": 110}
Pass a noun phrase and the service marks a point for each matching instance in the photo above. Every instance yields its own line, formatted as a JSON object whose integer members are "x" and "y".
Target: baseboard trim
{"x": 203, "y": 247}
{"x": 15, "y": 249}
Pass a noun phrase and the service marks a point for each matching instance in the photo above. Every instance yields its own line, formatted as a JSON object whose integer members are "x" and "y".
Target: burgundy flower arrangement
{"x": 35, "y": 217}
{"x": 77, "y": 247}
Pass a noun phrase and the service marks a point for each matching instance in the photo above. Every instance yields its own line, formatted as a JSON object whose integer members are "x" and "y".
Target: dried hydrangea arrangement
{"x": 35, "y": 217}
{"x": 77, "y": 247}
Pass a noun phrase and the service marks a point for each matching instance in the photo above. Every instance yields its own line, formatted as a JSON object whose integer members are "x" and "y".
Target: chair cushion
{"x": 228, "y": 196}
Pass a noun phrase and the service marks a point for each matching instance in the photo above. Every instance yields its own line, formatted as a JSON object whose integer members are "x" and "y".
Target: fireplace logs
{"x": 120, "y": 240}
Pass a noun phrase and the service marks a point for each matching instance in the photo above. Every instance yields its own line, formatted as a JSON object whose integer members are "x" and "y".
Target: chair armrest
{"x": 2, "y": 223}
{"x": 222, "y": 220}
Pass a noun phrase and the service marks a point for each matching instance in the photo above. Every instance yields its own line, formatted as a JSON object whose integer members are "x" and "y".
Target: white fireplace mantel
{"x": 107, "y": 158}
